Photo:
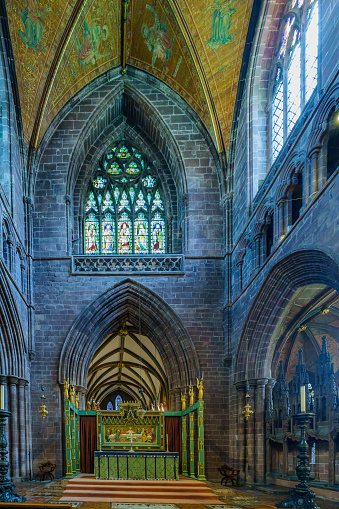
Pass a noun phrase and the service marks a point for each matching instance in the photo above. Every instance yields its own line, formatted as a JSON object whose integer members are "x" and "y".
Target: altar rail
{"x": 128, "y": 264}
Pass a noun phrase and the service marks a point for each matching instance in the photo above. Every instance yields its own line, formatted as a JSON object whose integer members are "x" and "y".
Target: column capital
{"x": 13, "y": 380}
{"x": 22, "y": 382}
{"x": 3, "y": 379}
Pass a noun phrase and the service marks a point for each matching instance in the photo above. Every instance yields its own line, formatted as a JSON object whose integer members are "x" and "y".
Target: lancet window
{"x": 295, "y": 70}
{"x": 125, "y": 210}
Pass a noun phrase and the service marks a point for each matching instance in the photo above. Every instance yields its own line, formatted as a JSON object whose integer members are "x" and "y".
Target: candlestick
{"x": 167, "y": 442}
{"x": 2, "y": 397}
{"x": 303, "y": 398}
{"x": 99, "y": 442}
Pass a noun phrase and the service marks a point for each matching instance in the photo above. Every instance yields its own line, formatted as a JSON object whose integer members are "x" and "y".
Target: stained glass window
{"x": 124, "y": 234}
{"x": 118, "y": 400}
{"x": 125, "y": 210}
{"x": 141, "y": 234}
{"x": 92, "y": 234}
{"x": 311, "y": 51}
{"x": 110, "y": 405}
{"x": 293, "y": 89}
{"x": 108, "y": 234}
{"x": 297, "y": 64}
{"x": 158, "y": 234}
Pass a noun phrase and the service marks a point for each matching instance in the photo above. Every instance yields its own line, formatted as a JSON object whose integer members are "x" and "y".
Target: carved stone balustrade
{"x": 128, "y": 264}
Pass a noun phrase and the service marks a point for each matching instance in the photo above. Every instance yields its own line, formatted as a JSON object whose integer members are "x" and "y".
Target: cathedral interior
{"x": 169, "y": 199}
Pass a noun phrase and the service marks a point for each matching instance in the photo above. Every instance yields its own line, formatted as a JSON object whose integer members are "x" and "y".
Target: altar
{"x": 136, "y": 465}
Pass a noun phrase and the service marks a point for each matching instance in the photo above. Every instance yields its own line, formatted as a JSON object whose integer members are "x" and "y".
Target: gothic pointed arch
{"x": 129, "y": 300}
{"x": 13, "y": 350}
{"x": 300, "y": 268}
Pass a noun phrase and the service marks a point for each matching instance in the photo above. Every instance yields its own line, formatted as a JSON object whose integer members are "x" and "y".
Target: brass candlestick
{"x": 301, "y": 497}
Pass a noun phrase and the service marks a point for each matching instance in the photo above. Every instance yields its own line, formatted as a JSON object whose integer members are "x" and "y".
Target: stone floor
{"x": 230, "y": 498}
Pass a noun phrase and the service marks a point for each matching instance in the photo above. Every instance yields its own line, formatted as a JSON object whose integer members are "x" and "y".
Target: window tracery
{"x": 296, "y": 69}
{"x": 125, "y": 211}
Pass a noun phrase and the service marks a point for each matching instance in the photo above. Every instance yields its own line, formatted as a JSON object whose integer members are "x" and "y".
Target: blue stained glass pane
{"x": 293, "y": 89}
{"x": 149, "y": 198}
{"x": 277, "y": 122}
{"x": 99, "y": 199}
{"x": 92, "y": 234}
{"x": 311, "y": 52}
{"x": 91, "y": 203}
{"x": 141, "y": 235}
{"x": 108, "y": 234}
{"x": 118, "y": 400}
{"x": 158, "y": 234}
{"x": 110, "y": 406}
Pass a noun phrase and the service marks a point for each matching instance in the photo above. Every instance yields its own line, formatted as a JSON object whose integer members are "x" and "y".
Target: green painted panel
{"x": 96, "y": 467}
{"x": 122, "y": 467}
{"x": 136, "y": 468}
{"x": 160, "y": 468}
{"x": 150, "y": 468}
{"x": 103, "y": 467}
{"x": 113, "y": 467}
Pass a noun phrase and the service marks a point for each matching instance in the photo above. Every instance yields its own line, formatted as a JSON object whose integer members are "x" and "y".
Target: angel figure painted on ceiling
{"x": 32, "y": 17}
{"x": 221, "y": 23}
{"x": 157, "y": 40}
{"x": 88, "y": 49}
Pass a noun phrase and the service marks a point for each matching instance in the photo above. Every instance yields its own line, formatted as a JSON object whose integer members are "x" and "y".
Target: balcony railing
{"x": 128, "y": 264}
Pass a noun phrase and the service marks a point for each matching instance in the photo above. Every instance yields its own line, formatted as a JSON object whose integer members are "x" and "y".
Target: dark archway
{"x": 129, "y": 300}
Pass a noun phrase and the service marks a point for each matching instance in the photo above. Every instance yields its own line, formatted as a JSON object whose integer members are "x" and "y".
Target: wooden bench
{"x": 229, "y": 474}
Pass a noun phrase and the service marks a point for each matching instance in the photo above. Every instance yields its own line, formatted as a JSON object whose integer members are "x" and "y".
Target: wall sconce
{"x": 43, "y": 410}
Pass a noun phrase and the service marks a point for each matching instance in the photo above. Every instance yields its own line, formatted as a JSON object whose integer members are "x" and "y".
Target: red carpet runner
{"x": 85, "y": 488}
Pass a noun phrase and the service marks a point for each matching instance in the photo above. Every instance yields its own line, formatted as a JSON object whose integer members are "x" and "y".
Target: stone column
{"x": 13, "y": 425}
{"x": 313, "y": 174}
{"x": 22, "y": 428}
{"x": 239, "y": 421}
{"x": 28, "y": 431}
{"x": 257, "y": 251}
{"x": 281, "y": 223}
{"x": 259, "y": 408}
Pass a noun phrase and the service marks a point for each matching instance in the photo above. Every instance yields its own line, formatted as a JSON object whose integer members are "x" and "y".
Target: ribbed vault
{"x": 127, "y": 360}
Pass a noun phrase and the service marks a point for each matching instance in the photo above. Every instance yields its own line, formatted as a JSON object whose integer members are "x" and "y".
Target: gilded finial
{"x": 77, "y": 400}
{"x": 200, "y": 386}
{"x": 43, "y": 411}
{"x": 71, "y": 394}
{"x": 191, "y": 394}
{"x": 183, "y": 401}
{"x": 66, "y": 387}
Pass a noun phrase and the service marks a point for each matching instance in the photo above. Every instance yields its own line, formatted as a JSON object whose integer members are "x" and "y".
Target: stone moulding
{"x": 115, "y": 264}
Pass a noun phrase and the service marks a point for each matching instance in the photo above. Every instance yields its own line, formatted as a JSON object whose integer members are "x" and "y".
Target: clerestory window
{"x": 295, "y": 69}
{"x": 125, "y": 210}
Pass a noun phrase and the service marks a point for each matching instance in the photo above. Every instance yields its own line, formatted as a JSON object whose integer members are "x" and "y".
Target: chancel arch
{"x": 144, "y": 310}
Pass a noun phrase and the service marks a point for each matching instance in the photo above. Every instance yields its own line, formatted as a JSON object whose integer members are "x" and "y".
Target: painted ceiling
{"x": 194, "y": 46}
{"x": 127, "y": 360}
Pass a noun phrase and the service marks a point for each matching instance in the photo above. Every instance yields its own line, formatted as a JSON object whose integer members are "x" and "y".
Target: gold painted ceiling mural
{"x": 194, "y": 46}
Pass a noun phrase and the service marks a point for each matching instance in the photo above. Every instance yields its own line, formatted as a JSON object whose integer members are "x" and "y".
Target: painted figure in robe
{"x": 157, "y": 40}
{"x": 32, "y": 17}
{"x": 88, "y": 49}
{"x": 221, "y": 24}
